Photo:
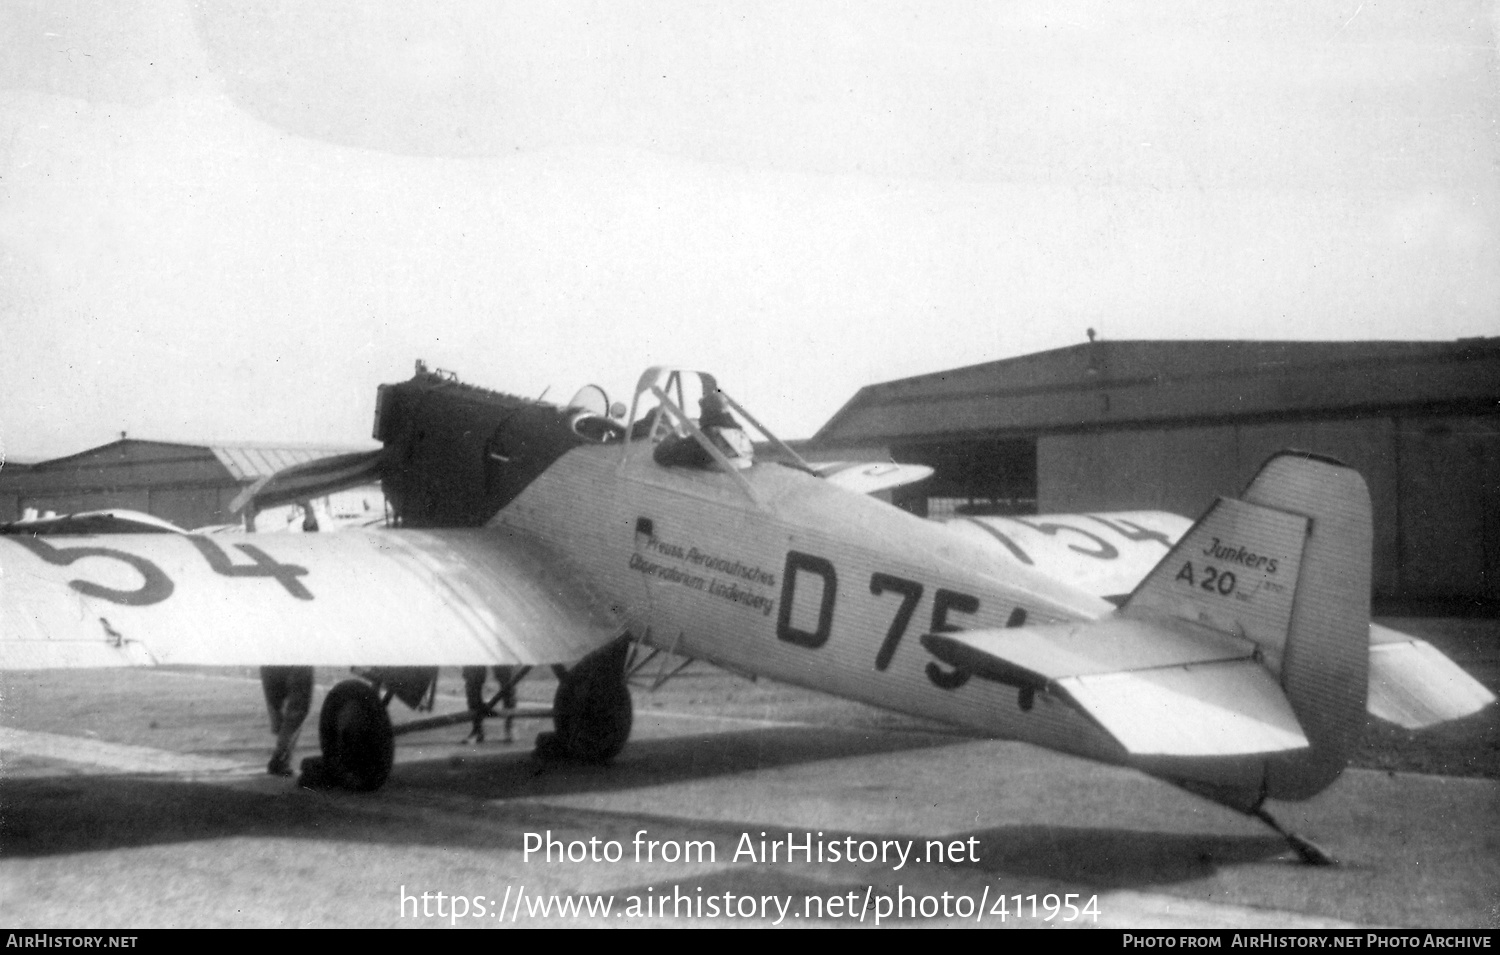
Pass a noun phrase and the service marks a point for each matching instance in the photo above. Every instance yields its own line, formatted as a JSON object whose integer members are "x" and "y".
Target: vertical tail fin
{"x": 1286, "y": 566}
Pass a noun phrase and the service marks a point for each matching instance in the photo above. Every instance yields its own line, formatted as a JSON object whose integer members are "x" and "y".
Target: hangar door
{"x": 1450, "y": 506}
{"x": 971, "y": 477}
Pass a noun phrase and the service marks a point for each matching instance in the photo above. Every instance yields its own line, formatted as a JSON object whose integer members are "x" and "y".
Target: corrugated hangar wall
{"x": 1432, "y": 484}
{"x": 179, "y": 483}
{"x": 185, "y": 507}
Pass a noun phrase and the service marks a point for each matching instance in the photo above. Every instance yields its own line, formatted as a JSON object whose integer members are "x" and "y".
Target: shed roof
{"x": 1108, "y": 384}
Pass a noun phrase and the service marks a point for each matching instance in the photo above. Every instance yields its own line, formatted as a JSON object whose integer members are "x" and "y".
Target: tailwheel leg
{"x": 1309, "y": 852}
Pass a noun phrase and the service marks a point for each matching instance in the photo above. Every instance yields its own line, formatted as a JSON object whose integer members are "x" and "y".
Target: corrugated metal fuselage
{"x": 815, "y": 586}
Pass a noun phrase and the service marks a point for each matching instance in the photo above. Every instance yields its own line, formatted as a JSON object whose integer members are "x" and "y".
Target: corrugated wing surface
{"x": 386, "y": 598}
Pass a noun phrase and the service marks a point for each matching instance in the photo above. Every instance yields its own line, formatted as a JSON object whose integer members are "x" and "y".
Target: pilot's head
{"x": 714, "y": 412}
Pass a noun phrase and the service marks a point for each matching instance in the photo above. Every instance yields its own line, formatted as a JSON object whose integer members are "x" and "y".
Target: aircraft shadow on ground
{"x": 90, "y": 812}
{"x": 490, "y": 773}
{"x": 1031, "y": 860}
{"x": 1033, "y": 856}
{"x": 59, "y": 815}
{"x": 1116, "y": 858}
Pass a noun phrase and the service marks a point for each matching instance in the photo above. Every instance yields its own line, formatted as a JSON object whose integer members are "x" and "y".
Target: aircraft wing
{"x": 864, "y": 477}
{"x": 1104, "y": 554}
{"x": 1160, "y": 687}
{"x": 369, "y": 598}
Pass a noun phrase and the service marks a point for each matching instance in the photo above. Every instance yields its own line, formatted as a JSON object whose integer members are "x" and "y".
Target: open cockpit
{"x": 723, "y": 433}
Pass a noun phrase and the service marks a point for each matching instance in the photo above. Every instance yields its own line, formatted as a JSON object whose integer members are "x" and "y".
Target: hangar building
{"x": 190, "y": 485}
{"x": 1164, "y": 425}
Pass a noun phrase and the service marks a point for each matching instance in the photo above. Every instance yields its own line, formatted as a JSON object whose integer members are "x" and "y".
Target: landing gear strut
{"x": 1308, "y": 851}
{"x": 592, "y": 709}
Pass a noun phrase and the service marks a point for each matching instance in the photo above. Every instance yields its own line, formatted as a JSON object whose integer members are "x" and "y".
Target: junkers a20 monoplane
{"x": 1239, "y": 664}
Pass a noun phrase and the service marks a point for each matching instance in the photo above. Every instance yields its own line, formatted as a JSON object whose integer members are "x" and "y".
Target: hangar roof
{"x": 1105, "y": 385}
{"x": 252, "y": 462}
{"x": 131, "y": 462}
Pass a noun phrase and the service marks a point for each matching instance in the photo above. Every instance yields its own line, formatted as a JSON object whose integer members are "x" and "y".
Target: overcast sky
{"x": 231, "y": 222}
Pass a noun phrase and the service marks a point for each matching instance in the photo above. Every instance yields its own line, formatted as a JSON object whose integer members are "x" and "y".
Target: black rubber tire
{"x": 592, "y": 709}
{"x": 354, "y": 729}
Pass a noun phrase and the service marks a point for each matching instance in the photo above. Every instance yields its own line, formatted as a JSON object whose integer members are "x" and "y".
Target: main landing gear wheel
{"x": 355, "y": 732}
{"x": 592, "y": 709}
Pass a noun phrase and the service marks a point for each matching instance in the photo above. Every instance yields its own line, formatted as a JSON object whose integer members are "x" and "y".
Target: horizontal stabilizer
{"x": 1160, "y": 688}
{"x": 1230, "y": 708}
{"x": 1085, "y": 649}
{"x": 1415, "y": 686}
